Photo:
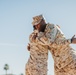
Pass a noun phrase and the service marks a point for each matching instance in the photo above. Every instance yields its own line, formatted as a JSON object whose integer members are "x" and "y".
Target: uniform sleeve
{"x": 62, "y": 41}
{"x": 60, "y": 38}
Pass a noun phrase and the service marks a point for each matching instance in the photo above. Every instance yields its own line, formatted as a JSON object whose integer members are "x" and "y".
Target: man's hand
{"x": 73, "y": 40}
{"x": 28, "y": 47}
{"x": 34, "y": 37}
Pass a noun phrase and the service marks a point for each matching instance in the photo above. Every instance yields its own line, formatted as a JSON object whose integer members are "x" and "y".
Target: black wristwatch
{"x": 71, "y": 40}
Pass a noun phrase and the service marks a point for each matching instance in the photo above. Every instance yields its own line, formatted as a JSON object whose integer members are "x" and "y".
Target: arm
{"x": 53, "y": 36}
{"x": 60, "y": 38}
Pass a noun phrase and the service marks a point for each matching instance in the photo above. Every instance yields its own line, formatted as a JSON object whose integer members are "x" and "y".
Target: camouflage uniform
{"x": 37, "y": 63}
{"x": 64, "y": 56}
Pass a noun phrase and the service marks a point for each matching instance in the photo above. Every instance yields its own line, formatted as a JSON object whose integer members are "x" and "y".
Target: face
{"x": 38, "y": 26}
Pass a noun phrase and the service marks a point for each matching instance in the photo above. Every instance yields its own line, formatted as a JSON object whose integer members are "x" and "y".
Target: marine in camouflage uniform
{"x": 37, "y": 62}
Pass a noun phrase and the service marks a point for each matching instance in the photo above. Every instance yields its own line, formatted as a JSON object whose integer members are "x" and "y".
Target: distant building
{"x": 8, "y": 74}
{"x": 13, "y": 74}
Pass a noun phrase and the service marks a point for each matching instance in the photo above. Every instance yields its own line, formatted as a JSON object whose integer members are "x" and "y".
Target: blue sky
{"x": 15, "y": 28}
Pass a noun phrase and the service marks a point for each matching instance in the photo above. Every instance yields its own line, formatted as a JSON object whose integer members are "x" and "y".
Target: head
{"x": 39, "y": 23}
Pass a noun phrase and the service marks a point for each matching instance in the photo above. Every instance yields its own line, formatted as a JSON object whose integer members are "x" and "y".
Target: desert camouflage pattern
{"x": 37, "y": 62}
{"x": 63, "y": 54}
